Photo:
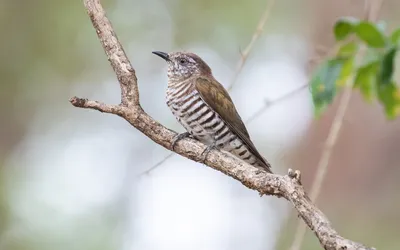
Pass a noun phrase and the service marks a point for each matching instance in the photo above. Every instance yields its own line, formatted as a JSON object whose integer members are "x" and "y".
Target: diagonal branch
{"x": 115, "y": 53}
{"x": 286, "y": 186}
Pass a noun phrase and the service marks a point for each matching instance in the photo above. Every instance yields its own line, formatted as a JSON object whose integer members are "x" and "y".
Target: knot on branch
{"x": 295, "y": 175}
{"x": 78, "y": 102}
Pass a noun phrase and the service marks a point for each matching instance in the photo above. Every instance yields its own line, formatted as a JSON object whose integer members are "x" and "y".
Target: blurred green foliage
{"x": 372, "y": 74}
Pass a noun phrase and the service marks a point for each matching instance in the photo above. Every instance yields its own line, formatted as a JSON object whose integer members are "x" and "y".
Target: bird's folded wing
{"x": 215, "y": 95}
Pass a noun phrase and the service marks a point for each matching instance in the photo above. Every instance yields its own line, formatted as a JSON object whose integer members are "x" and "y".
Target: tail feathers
{"x": 264, "y": 166}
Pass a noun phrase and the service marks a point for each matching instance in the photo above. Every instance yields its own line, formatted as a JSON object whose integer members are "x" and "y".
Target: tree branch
{"x": 288, "y": 186}
{"x": 115, "y": 53}
{"x": 99, "y": 106}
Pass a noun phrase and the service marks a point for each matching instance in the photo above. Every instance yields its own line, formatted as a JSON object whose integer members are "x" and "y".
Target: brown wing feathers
{"x": 215, "y": 95}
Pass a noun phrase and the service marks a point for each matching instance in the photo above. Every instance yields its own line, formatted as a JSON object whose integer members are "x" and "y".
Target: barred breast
{"x": 203, "y": 123}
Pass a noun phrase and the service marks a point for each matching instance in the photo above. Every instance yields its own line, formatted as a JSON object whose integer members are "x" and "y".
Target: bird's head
{"x": 183, "y": 65}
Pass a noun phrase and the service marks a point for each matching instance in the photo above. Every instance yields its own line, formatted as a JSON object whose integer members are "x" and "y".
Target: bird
{"x": 204, "y": 108}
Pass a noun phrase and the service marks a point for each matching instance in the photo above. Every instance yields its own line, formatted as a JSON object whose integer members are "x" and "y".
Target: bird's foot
{"x": 179, "y": 137}
{"x": 207, "y": 151}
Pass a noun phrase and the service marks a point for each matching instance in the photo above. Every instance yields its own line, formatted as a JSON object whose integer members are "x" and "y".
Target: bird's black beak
{"x": 163, "y": 55}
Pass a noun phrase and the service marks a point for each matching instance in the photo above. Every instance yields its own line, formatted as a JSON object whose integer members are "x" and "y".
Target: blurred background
{"x": 73, "y": 178}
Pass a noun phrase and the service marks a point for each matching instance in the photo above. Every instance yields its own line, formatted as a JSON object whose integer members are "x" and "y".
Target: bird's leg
{"x": 207, "y": 151}
{"x": 179, "y": 137}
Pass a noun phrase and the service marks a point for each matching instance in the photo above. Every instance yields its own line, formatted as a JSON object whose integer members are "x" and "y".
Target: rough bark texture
{"x": 287, "y": 186}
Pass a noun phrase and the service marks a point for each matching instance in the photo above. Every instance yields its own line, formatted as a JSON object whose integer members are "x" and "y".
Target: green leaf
{"x": 370, "y": 34}
{"x": 344, "y": 27}
{"x": 386, "y": 68}
{"x": 389, "y": 95}
{"x": 365, "y": 80}
{"x": 346, "y": 71}
{"x": 395, "y": 37}
{"x": 348, "y": 49}
{"x": 323, "y": 84}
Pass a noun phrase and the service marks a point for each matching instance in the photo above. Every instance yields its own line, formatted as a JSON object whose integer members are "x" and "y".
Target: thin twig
{"x": 268, "y": 104}
{"x": 334, "y": 132}
{"x": 286, "y": 186}
{"x": 99, "y": 106}
{"x": 157, "y": 164}
{"x": 256, "y": 35}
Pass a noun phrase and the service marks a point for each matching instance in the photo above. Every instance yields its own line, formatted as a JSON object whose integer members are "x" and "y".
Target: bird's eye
{"x": 182, "y": 61}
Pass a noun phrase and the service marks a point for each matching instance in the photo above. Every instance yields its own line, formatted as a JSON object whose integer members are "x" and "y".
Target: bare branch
{"x": 115, "y": 53}
{"x": 99, "y": 106}
{"x": 287, "y": 186}
{"x": 245, "y": 54}
{"x": 372, "y": 9}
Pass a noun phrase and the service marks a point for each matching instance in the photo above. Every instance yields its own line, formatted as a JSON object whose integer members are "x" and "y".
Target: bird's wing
{"x": 215, "y": 95}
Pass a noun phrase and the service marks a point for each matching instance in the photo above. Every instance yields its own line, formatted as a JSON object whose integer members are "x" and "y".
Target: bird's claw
{"x": 179, "y": 137}
{"x": 207, "y": 151}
